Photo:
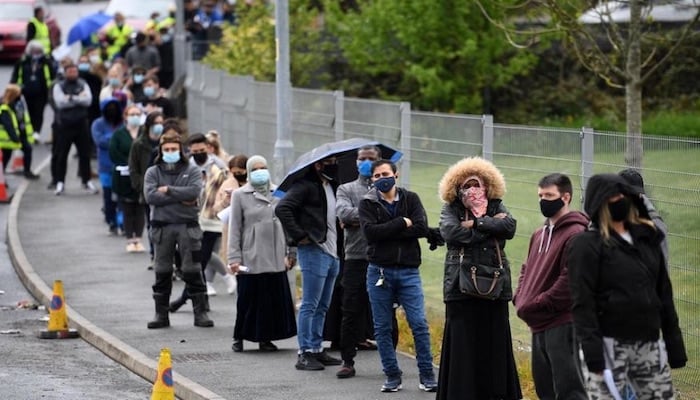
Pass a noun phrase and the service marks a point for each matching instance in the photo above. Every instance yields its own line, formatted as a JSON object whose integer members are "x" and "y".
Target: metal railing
{"x": 243, "y": 110}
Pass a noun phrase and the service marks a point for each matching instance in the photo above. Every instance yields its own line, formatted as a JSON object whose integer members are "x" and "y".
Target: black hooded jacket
{"x": 621, "y": 290}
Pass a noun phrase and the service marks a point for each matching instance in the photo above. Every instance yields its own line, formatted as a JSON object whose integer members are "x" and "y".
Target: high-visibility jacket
{"x": 167, "y": 22}
{"x": 47, "y": 74}
{"x": 5, "y": 141}
{"x": 120, "y": 37}
{"x": 28, "y": 127}
{"x": 42, "y": 34}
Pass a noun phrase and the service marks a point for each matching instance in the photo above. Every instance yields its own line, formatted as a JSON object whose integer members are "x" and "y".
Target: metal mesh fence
{"x": 244, "y": 111}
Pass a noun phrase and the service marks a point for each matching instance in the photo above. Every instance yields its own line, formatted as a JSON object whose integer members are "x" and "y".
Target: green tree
{"x": 440, "y": 55}
{"x": 248, "y": 48}
{"x": 620, "y": 41}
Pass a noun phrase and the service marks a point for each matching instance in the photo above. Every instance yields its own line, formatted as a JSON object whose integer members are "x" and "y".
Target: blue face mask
{"x": 384, "y": 185}
{"x": 157, "y": 129}
{"x": 114, "y": 82}
{"x": 138, "y": 78}
{"x": 149, "y": 91}
{"x": 259, "y": 177}
{"x": 84, "y": 67}
{"x": 365, "y": 168}
{"x": 171, "y": 157}
{"x": 133, "y": 120}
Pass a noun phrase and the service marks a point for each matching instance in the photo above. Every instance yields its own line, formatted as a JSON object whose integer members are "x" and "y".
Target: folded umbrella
{"x": 86, "y": 26}
{"x": 344, "y": 150}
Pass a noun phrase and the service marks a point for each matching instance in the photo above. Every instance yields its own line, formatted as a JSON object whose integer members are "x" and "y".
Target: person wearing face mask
{"x": 35, "y": 73}
{"x": 143, "y": 54}
{"x": 265, "y": 311}
{"x": 477, "y": 359}
{"x": 307, "y": 213}
{"x": 117, "y": 36}
{"x": 94, "y": 82}
{"x": 542, "y": 298}
{"x": 113, "y": 82}
{"x": 624, "y": 313}
{"x": 154, "y": 99}
{"x": 127, "y": 197}
{"x": 102, "y": 131}
{"x": 172, "y": 188}
{"x": 72, "y": 98}
{"x": 392, "y": 220}
{"x": 135, "y": 85}
{"x": 354, "y": 326}
{"x": 142, "y": 155}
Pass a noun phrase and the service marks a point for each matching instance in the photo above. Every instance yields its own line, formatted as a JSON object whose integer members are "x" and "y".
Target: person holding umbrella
{"x": 307, "y": 213}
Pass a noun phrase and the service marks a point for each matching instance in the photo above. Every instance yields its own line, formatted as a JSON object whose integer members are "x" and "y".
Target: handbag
{"x": 480, "y": 280}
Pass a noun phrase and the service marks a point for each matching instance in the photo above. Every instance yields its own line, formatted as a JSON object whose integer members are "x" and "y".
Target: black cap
{"x": 633, "y": 177}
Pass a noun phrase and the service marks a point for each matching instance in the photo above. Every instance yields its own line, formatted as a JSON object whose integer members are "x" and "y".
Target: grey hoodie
{"x": 347, "y": 200}
{"x": 184, "y": 184}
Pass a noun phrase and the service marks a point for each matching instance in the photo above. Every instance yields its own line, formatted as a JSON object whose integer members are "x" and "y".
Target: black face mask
{"x": 619, "y": 210}
{"x": 241, "y": 178}
{"x": 330, "y": 171}
{"x": 200, "y": 158}
{"x": 550, "y": 207}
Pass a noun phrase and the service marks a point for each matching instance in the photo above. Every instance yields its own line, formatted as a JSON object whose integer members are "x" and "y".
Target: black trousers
{"x": 36, "y": 103}
{"x": 65, "y": 136}
{"x": 134, "y": 218}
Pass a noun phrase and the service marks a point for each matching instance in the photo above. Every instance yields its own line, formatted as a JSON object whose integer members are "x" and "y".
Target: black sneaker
{"x": 307, "y": 362}
{"x": 30, "y": 175}
{"x": 428, "y": 382}
{"x": 325, "y": 359}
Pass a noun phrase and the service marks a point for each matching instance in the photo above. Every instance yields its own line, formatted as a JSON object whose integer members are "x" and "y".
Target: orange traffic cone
{"x": 16, "y": 165}
{"x": 58, "y": 321}
{"x": 4, "y": 196}
{"x": 163, "y": 386}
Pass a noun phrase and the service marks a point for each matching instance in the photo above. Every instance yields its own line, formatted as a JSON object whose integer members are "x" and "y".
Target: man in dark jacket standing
{"x": 543, "y": 299}
{"x": 392, "y": 220}
{"x": 172, "y": 187}
{"x": 34, "y": 73}
{"x": 307, "y": 213}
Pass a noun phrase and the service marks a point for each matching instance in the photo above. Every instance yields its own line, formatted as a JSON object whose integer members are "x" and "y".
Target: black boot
{"x": 179, "y": 302}
{"x": 161, "y": 320}
{"x": 201, "y": 318}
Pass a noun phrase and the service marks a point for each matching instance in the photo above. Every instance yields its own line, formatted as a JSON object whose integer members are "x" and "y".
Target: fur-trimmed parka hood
{"x": 472, "y": 166}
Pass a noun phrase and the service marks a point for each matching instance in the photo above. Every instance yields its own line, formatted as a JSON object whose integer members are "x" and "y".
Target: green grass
{"x": 664, "y": 123}
{"x": 672, "y": 183}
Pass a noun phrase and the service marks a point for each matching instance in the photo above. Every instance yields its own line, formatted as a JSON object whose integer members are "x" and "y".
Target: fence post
{"x": 487, "y": 136}
{"x": 587, "y": 155}
{"x": 339, "y": 117}
{"x": 405, "y": 169}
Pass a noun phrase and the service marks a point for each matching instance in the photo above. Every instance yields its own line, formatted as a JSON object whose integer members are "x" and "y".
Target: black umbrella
{"x": 344, "y": 150}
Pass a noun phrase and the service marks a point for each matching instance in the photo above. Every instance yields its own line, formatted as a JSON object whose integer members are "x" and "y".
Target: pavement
{"x": 108, "y": 297}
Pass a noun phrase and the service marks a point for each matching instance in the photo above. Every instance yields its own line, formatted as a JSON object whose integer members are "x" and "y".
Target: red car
{"x": 14, "y": 16}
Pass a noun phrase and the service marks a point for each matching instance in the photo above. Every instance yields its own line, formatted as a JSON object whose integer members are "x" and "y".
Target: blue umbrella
{"x": 86, "y": 26}
{"x": 344, "y": 150}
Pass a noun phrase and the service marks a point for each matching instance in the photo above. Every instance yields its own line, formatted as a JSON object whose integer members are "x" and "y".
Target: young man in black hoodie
{"x": 543, "y": 299}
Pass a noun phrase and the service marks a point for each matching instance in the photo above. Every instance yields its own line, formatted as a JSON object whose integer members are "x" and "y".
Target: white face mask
{"x": 95, "y": 59}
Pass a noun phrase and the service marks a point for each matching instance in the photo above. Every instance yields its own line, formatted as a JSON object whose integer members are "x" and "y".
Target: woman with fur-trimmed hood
{"x": 477, "y": 356}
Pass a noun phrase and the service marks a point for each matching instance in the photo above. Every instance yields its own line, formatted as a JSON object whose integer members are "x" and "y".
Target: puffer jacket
{"x": 478, "y": 244}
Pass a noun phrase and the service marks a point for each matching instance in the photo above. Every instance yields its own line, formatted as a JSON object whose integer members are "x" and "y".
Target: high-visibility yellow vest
{"x": 5, "y": 142}
{"x": 42, "y": 34}
{"x": 47, "y": 75}
{"x": 28, "y": 127}
{"x": 120, "y": 38}
{"x": 167, "y": 22}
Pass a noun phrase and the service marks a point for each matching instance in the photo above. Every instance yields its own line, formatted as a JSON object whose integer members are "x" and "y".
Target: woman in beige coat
{"x": 257, "y": 251}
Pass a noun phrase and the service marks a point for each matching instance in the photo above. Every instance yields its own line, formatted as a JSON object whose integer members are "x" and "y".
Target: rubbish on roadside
{"x": 27, "y": 304}
{"x": 11, "y": 332}
{"x": 2, "y": 292}
{"x": 45, "y": 318}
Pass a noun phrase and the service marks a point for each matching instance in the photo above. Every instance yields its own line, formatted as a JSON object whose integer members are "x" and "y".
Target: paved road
{"x": 36, "y": 369}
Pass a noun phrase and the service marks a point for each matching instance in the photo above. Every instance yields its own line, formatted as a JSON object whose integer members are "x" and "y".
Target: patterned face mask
{"x": 474, "y": 199}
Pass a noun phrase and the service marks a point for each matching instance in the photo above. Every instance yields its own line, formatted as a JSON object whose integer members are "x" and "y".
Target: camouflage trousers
{"x": 640, "y": 371}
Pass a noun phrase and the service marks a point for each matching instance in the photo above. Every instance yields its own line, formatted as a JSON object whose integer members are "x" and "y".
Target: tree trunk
{"x": 633, "y": 89}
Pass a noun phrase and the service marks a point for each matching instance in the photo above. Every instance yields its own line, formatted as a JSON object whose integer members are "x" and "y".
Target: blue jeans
{"x": 318, "y": 272}
{"x": 402, "y": 285}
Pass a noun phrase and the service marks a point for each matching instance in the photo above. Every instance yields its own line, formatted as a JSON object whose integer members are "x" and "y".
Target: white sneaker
{"x": 59, "y": 189}
{"x": 210, "y": 290}
{"x": 231, "y": 283}
{"x": 90, "y": 188}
